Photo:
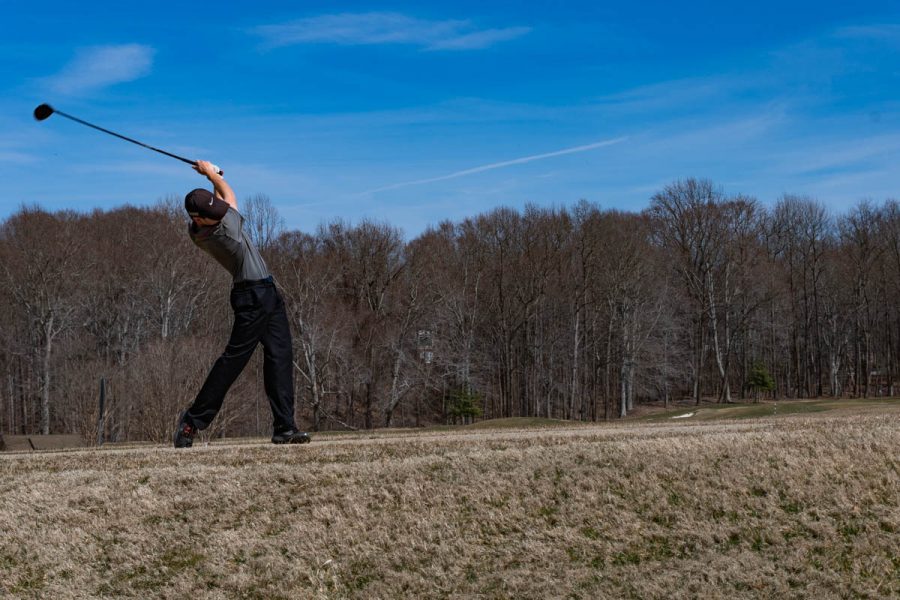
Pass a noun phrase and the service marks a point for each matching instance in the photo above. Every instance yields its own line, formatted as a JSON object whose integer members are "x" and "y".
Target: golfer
{"x": 259, "y": 315}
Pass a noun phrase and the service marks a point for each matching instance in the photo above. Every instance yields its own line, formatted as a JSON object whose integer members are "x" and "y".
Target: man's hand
{"x": 206, "y": 168}
{"x": 222, "y": 189}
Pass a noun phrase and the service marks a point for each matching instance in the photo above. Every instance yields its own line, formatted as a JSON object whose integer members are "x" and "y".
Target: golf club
{"x": 45, "y": 110}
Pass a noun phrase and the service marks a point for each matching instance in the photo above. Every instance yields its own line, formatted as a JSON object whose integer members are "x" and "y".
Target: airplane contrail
{"x": 506, "y": 163}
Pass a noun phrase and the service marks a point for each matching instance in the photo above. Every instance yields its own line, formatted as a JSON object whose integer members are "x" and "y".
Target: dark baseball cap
{"x": 202, "y": 203}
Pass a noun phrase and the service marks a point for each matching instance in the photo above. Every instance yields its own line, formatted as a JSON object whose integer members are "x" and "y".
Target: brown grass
{"x": 803, "y": 506}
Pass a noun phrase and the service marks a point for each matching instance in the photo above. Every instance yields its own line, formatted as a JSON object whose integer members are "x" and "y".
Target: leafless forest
{"x": 575, "y": 313}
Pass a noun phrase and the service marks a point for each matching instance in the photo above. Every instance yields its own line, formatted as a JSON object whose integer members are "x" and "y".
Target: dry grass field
{"x": 793, "y": 506}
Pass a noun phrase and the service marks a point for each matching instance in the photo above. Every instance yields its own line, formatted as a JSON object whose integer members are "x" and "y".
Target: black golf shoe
{"x": 291, "y": 436}
{"x": 184, "y": 435}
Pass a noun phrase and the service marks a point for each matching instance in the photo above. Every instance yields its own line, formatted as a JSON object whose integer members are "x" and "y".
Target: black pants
{"x": 259, "y": 317}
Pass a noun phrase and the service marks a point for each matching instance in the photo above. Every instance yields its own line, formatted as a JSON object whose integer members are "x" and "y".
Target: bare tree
{"x": 44, "y": 278}
{"x": 262, "y": 221}
{"x": 688, "y": 226}
{"x": 309, "y": 280}
{"x": 859, "y": 231}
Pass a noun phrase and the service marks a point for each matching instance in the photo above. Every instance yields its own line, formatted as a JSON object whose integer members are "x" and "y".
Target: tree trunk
{"x": 607, "y": 396}
{"x": 45, "y": 383}
{"x": 717, "y": 349}
{"x": 394, "y": 397}
{"x": 699, "y": 353}
{"x": 314, "y": 387}
{"x": 575, "y": 354}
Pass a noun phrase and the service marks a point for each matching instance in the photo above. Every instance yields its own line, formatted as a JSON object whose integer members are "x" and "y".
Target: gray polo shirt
{"x": 229, "y": 244}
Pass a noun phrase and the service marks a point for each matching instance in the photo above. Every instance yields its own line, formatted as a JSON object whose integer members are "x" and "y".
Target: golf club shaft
{"x": 127, "y": 139}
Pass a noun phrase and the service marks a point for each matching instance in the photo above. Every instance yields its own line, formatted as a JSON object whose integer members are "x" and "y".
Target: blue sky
{"x": 413, "y": 113}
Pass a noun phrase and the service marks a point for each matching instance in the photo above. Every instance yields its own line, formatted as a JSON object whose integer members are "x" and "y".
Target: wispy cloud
{"x": 478, "y": 39}
{"x": 807, "y": 71}
{"x": 884, "y": 32}
{"x": 101, "y": 66}
{"x": 353, "y": 29}
{"x": 837, "y": 155}
{"x": 16, "y": 157}
{"x": 500, "y": 165}
{"x": 681, "y": 95}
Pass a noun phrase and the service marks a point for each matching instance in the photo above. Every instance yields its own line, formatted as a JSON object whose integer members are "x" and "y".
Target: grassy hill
{"x": 745, "y": 410}
{"x": 801, "y": 505}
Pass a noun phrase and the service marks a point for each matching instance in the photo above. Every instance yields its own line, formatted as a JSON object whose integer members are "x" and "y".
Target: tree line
{"x": 560, "y": 312}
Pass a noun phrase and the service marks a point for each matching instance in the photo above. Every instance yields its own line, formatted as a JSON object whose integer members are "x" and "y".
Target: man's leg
{"x": 250, "y": 318}
{"x": 278, "y": 366}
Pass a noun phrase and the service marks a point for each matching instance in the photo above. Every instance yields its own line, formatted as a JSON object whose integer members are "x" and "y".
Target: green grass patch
{"x": 507, "y": 423}
{"x": 749, "y": 410}
{"x": 521, "y": 423}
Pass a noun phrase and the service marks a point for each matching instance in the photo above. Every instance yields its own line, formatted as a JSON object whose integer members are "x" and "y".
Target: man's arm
{"x": 222, "y": 189}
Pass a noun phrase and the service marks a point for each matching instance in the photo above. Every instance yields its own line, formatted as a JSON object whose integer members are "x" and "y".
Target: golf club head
{"x": 43, "y": 111}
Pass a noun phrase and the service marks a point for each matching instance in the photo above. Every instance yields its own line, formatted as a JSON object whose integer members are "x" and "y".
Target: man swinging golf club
{"x": 259, "y": 315}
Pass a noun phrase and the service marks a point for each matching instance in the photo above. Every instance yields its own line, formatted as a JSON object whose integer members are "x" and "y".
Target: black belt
{"x": 243, "y": 285}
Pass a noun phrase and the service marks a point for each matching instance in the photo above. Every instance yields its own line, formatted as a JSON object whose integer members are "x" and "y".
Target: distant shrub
{"x": 463, "y": 406}
{"x": 760, "y": 381}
